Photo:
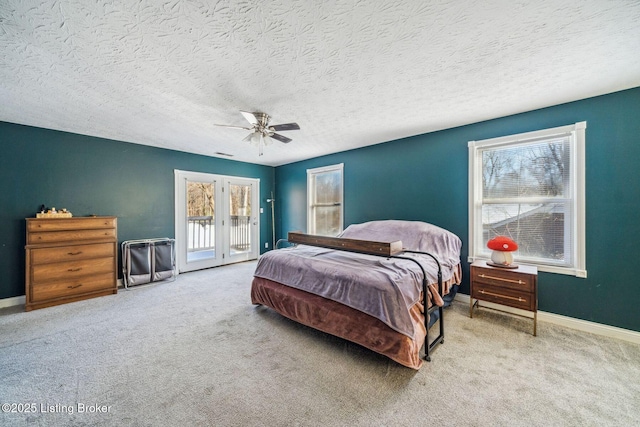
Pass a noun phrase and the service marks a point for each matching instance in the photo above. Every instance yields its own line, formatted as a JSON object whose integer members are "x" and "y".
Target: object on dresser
{"x": 502, "y": 249}
{"x": 45, "y": 212}
{"x": 70, "y": 259}
{"x": 148, "y": 260}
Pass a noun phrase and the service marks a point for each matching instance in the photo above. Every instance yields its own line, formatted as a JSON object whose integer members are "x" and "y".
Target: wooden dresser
{"x": 517, "y": 288}
{"x": 70, "y": 259}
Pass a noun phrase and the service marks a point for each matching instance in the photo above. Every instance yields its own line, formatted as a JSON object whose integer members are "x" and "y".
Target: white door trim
{"x": 222, "y": 212}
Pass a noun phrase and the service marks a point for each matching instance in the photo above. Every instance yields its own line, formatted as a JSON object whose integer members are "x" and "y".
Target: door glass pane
{"x": 200, "y": 221}
{"x": 240, "y": 218}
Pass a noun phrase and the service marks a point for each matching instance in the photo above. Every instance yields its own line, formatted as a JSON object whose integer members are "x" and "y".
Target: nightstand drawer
{"x": 503, "y": 278}
{"x": 504, "y": 296}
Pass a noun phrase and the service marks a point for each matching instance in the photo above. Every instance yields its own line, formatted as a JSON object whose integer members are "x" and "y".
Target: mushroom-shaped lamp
{"x": 502, "y": 251}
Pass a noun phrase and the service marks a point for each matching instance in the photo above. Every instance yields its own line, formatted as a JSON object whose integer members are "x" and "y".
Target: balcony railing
{"x": 240, "y": 233}
{"x": 201, "y": 233}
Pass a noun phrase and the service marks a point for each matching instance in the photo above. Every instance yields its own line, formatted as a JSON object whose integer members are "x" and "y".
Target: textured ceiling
{"x": 350, "y": 73}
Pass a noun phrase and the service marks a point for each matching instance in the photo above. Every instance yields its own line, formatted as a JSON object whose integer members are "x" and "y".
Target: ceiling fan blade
{"x": 251, "y": 118}
{"x": 286, "y": 126}
{"x": 280, "y": 137}
{"x": 233, "y": 127}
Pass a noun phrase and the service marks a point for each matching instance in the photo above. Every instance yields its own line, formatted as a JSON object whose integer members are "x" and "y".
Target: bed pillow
{"x": 415, "y": 235}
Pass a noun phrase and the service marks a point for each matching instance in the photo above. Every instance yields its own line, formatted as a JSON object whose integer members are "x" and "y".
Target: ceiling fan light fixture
{"x": 256, "y": 139}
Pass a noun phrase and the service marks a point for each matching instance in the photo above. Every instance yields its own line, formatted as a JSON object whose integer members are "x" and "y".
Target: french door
{"x": 217, "y": 219}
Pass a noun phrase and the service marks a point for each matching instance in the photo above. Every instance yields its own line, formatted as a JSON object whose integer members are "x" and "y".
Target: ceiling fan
{"x": 261, "y": 131}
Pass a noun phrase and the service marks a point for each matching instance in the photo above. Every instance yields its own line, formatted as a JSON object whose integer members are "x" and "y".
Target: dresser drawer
{"x": 71, "y": 269}
{"x": 504, "y": 296}
{"x": 71, "y": 236}
{"x": 66, "y": 288}
{"x": 58, "y": 224}
{"x": 503, "y": 278}
{"x": 71, "y": 253}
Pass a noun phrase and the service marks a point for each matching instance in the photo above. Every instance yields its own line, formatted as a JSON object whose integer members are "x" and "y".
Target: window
{"x": 324, "y": 200}
{"x": 530, "y": 187}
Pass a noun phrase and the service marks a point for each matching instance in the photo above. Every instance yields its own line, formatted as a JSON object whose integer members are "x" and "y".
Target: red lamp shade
{"x": 503, "y": 244}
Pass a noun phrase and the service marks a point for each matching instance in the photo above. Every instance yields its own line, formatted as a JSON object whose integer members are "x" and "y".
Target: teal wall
{"x": 425, "y": 177}
{"x": 418, "y": 178}
{"x": 90, "y": 175}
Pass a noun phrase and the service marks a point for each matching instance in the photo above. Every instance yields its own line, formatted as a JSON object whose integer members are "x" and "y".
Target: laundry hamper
{"x": 148, "y": 260}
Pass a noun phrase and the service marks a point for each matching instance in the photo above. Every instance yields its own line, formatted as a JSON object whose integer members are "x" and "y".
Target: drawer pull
{"x": 74, "y": 253}
{"x": 519, "y": 282}
{"x": 520, "y": 299}
{"x": 75, "y": 269}
{"x": 74, "y": 286}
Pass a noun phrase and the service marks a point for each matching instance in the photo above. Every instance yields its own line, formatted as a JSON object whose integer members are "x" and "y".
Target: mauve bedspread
{"x": 342, "y": 321}
{"x": 345, "y": 322}
{"x": 384, "y": 288}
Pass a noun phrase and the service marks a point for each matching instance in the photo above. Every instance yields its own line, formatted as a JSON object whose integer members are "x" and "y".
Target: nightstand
{"x": 512, "y": 287}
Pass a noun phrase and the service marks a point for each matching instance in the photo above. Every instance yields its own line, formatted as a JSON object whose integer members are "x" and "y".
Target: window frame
{"x": 576, "y": 134}
{"x": 311, "y": 225}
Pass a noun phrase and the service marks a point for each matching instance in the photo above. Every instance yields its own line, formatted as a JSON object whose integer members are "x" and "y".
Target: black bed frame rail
{"x": 429, "y": 346}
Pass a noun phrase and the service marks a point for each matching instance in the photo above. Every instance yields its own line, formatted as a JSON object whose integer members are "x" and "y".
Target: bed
{"x": 375, "y": 301}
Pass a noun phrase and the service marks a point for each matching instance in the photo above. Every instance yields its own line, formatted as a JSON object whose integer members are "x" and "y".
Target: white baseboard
{"x": 21, "y": 300}
{"x": 568, "y": 322}
{"x": 10, "y": 302}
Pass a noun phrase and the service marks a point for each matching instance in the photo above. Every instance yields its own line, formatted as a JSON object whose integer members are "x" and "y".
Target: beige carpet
{"x": 195, "y": 352}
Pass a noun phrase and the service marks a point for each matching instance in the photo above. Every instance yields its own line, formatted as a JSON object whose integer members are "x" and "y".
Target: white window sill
{"x": 546, "y": 268}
